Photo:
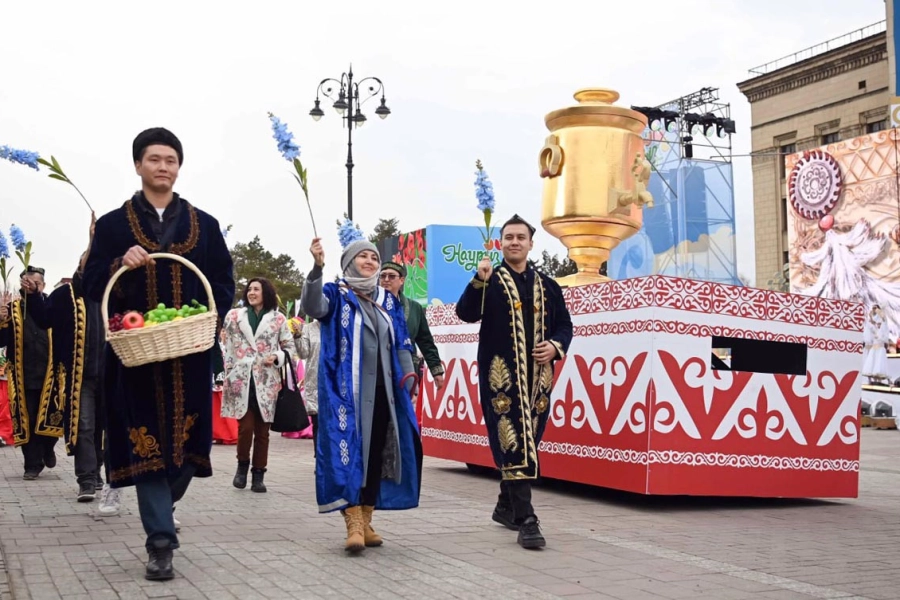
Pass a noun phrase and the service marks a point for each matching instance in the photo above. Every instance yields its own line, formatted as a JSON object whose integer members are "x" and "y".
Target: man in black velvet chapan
{"x": 78, "y": 344}
{"x": 525, "y": 328}
{"x": 37, "y": 416}
{"x": 159, "y": 415}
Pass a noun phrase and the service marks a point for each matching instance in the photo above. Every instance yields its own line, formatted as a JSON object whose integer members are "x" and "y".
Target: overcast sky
{"x": 464, "y": 80}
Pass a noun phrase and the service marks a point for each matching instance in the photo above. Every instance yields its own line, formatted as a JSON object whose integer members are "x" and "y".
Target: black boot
{"x": 240, "y": 478}
{"x": 159, "y": 565}
{"x": 257, "y": 484}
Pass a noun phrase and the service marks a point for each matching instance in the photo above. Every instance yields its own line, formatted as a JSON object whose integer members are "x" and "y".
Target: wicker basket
{"x": 165, "y": 341}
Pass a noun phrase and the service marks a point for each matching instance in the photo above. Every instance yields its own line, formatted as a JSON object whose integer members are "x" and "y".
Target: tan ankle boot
{"x": 355, "y": 538}
{"x": 372, "y": 538}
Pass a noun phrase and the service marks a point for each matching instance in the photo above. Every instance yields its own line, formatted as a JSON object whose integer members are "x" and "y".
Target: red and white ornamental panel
{"x": 637, "y": 405}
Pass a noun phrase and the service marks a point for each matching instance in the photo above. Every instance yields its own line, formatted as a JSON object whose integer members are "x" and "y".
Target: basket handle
{"x": 104, "y": 306}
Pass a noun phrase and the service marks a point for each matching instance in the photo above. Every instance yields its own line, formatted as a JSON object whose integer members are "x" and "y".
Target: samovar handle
{"x": 550, "y": 161}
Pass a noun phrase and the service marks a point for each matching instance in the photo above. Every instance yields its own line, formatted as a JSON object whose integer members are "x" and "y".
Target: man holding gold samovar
{"x": 525, "y": 327}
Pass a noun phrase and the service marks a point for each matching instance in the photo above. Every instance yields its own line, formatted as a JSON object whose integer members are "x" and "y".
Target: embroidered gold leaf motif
{"x": 499, "y": 377}
{"x": 507, "y": 435}
{"x": 501, "y": 403}
{"x": 546, "y": 378}
{"x": 188, "y": 423}
{"x": 542, "y": 404}
{"x": 56, "y": 418}
{"x": 61, "y": 383}
{"x": 145, "y": 445}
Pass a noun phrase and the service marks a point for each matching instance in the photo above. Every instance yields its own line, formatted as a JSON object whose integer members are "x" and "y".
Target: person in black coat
{"x": 525, "y": 328}
{"x": 78, "y": 345}
{"x": 159, "y": 415}
{"x": 37, "y": 416}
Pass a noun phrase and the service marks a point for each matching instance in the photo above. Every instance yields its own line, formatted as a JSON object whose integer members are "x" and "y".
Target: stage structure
{"x": 690, "y": 230}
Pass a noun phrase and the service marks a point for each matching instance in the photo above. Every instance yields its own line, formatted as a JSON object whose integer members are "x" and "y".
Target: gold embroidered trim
{"x": 145, "y": 445}
{"x": 135, "y": 224}
{"x": 160, "y": 405}
{"x": 202, "y": 461}
{"x": 144, "y": 240}
{"x": 179, "y": 432}
{"x": 49, "y": 423}
{"x": 520, "y": 351}
{"x": 152, "y": 295}
{"x": 17, "y": 404}
{"x": 193, "y": 233}
{"x": 157, "y": 464}
{"x": 175, "y": 269}
{"x": 78, "y": 369}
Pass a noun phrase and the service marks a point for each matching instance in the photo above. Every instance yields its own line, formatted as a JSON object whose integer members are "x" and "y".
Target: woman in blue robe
{"x": 368, "y": 450}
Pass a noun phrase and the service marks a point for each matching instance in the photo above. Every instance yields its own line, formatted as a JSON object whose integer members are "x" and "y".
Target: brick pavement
{"x": 601, "y": 544}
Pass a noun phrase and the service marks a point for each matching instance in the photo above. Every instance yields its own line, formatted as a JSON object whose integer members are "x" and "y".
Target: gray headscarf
{"x": 352, "y": 275}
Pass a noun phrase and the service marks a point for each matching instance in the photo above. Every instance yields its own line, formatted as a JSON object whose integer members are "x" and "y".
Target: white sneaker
{"x": 177, "y": 524}
{"x": 110, "y": 501}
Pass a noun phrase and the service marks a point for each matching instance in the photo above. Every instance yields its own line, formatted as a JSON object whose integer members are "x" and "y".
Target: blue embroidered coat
{"x": 346, "y": 387}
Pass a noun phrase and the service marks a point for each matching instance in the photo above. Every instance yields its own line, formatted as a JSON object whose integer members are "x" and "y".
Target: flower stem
{"x": 311, "y": 217}
{"x": 82, "y": 197}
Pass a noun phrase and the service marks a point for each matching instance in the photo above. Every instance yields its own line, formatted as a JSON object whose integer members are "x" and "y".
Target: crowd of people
{"x": 365, "y": 346}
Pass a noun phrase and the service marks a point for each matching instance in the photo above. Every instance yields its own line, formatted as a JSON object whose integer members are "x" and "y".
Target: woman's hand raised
{"x": 317, "y": 251}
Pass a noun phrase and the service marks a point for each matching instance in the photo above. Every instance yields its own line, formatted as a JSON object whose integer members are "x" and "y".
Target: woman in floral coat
{"x": 257, "y": 343}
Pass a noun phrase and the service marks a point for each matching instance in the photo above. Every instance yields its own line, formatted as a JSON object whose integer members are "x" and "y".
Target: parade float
{"x": 672, "y": 385}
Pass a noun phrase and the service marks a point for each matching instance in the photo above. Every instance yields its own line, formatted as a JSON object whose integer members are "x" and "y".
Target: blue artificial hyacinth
{"x": 18, "y": 238}
{"x": 484, "y": 191}
{"x": 349, "y": 233}
{"x": 286, "y": 145}
{"x": 22, "y": 157}
{"x": 4, "y": 246}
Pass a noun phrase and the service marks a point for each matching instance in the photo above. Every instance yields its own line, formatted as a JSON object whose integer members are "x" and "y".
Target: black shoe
{"x": 257, "y": 484}
{"x": 159, "y": 565}
{"x": 87, "y": 491}
{"x": 50, "y": 459}
{"x": 503, "y": 514}
{"x": 31, "y": 475}
{"x": 530, "y": 533}
{"x": 240, "y": 477}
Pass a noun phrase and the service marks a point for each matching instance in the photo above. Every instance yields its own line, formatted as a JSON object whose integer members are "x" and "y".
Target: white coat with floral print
{"x": 245, "y": 356}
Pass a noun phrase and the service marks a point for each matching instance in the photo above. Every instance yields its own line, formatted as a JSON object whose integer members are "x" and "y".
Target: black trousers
{"x": 380, "y": 421}
{"x": 39, "y": 447}
{"x": 517, "y": 494}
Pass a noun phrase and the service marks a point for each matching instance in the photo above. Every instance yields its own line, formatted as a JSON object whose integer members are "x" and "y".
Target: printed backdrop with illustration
{"x": 843, "y": 207}
{"x": 440, "y": 260}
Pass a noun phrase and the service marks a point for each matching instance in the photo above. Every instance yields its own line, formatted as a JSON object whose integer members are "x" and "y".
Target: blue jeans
{"x": 156, "y": 501}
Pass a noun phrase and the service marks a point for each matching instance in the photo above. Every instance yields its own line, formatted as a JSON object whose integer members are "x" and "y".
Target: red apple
{"x": 132, "y": 320}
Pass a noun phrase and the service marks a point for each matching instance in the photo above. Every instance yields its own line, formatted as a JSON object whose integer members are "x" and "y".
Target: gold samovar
{"x": 595, "y": 179}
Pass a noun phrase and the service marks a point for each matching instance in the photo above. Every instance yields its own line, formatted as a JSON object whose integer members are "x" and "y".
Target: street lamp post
{"x": 348, "y": 104}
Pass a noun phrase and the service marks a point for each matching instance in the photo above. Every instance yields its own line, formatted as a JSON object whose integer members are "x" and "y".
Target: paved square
{"x": 601, "y": 544}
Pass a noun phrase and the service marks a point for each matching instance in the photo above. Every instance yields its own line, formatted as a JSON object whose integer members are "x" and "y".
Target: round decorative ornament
{"x": 815, "y": 184}
{"x": 895, "y": 234}
{"x": 826, "y": 222}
